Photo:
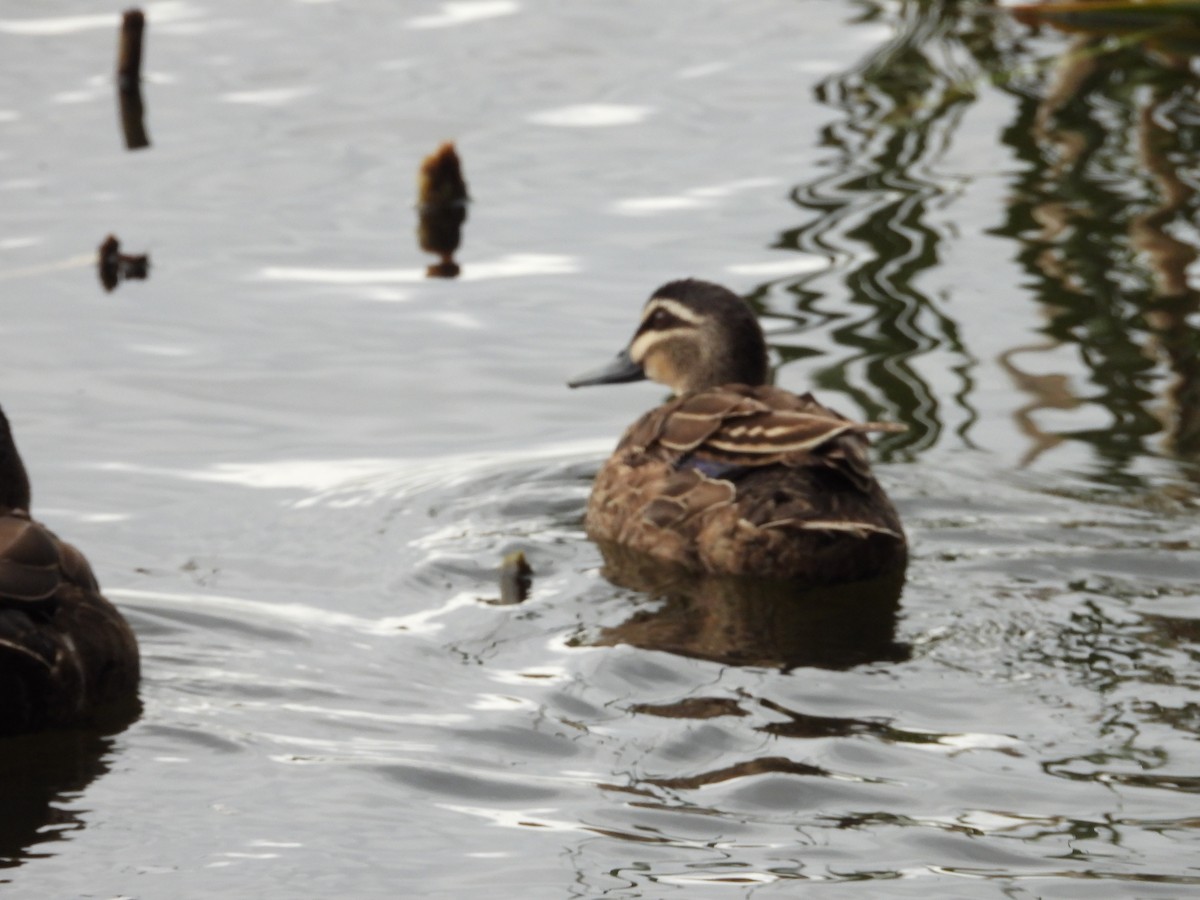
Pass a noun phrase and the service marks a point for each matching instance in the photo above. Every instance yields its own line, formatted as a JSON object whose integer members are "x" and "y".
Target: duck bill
{"x": 618, "y": 371}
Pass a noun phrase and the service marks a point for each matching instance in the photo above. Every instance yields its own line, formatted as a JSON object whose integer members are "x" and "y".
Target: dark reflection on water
{"x": 38, "y": 774}
{"x": 754, "y": 622}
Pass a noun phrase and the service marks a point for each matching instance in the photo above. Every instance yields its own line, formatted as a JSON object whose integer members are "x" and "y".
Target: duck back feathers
{"x": 749, "y": 480}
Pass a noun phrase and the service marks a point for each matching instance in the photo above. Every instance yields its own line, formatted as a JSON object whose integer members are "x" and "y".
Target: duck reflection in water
{"x": 757, "y": 622}
{"x": 758, "y": 494}
{"x": 37, "y": 773}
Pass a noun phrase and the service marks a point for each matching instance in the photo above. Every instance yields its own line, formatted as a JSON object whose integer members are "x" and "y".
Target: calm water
{"x": 295, "y": 463}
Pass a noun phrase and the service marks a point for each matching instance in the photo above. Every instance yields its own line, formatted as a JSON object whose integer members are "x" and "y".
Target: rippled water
{"x": 296, "y": 464}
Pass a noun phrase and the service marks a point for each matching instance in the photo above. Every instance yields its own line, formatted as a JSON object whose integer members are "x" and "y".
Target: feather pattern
{"x": 799, "y": 499}
{"x": 29, "y": 562}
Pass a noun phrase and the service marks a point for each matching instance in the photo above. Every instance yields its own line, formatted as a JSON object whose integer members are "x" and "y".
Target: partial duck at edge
{"x": 67, "y": 656}
{"x": 733, "y": 476}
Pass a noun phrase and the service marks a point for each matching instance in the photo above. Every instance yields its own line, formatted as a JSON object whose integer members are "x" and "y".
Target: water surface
{"x": 296, "y": 464}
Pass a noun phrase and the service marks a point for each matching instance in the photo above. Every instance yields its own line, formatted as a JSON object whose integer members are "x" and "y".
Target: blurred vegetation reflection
{"x": 1104, "y": 211}
{"x": 870, "y": 219}
{"x": 1101, "y": 206}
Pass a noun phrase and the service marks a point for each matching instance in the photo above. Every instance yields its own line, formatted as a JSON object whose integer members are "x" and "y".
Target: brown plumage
{"x": 67, "y": 657}
{"x": 733, "y": 476}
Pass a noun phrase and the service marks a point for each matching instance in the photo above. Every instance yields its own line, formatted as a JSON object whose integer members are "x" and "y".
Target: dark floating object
{"x": 516, "y": 577}
{"x": 129, "y": 80}
{"x": 442, "y": 206}
{"x": 114, "y": 265}
{"x": 67, "y": 657}
{"x": 734, "y": 476}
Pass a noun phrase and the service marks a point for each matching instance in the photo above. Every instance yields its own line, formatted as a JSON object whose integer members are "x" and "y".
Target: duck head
{"x": 693, "y": 335}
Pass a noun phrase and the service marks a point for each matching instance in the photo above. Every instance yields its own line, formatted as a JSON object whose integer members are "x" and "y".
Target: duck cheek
{"x": 660, "y": 368}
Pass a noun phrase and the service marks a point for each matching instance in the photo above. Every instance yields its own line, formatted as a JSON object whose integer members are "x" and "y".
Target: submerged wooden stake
{"x": 516, "y": 577}
{"x": 442, "y": 205}
{"x": 133, "y": 117}
{"x": 129, "y": 80}
{"x": 113, "y": 265}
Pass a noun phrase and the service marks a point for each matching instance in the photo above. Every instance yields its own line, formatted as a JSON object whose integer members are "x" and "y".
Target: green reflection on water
{"x": 1102, "y": 214}
{"x": 1101, "y": 208}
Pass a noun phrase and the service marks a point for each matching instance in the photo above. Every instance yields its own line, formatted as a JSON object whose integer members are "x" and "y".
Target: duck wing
{"x": 738, "y": 426}
{"x": 67, "y": 656}
{"x": 30, "y": 563}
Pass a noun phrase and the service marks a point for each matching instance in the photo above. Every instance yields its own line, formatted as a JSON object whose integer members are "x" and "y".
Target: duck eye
{"x": 660, "y": 318}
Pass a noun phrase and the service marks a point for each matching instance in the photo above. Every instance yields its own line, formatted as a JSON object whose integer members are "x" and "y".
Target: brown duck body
{"x": 67, "y": 656}
{"x": 749, "y": 480}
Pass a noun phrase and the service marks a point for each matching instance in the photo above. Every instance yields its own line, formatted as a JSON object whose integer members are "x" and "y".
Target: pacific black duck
{"x": 734, "y": 476}
{"x": 67, "y": 657}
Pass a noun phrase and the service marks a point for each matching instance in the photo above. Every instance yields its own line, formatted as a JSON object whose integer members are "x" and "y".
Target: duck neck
{"x": 742, "y": 360}
{"x": 14, "y": 482}
{"x": 748, "y": 367}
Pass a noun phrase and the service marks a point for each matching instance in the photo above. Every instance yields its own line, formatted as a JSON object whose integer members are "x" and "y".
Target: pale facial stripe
{"x": 674, "y": 307}
{"x": 643, "y": 342}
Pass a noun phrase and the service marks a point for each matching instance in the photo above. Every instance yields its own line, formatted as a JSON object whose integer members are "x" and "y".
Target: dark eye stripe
{"x": 661, "y": 320}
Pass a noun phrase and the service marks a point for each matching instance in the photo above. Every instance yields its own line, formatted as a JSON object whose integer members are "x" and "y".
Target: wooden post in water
{"x": 129, "y": 54}
{"x": 442, "y": 208}
{"x": 114, "y": 266}
{"x": 129, "y": 80}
